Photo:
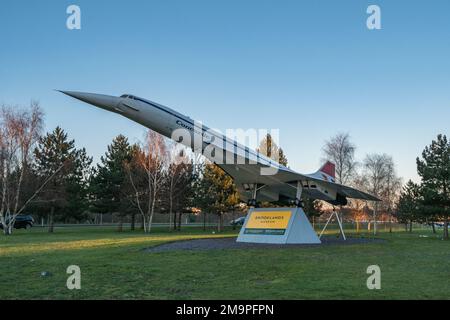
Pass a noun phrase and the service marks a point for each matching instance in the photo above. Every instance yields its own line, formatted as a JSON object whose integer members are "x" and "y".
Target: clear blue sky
{"x": 309, "y": 68}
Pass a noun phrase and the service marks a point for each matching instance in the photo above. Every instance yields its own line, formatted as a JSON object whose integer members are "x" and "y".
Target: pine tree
{"x": 109, "y": 179}
{"x": 408, "y": 206}
{"x": 434, "y": 169}
{"x": 78, "y": 186}
{"x": 269, "y": 148}
{"x": 216, "y": 192}
{"x": 66, "y": 194}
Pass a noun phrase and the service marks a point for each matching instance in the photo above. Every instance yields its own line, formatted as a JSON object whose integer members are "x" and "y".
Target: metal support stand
{"x": 255, "y": 191}
{"x": 252, "y": 202}
{"x": 298, "y": 195}
{"x": 334, "y": 213}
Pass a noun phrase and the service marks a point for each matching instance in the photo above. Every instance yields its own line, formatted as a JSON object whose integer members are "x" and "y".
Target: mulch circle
{"x": 230, "y": 243}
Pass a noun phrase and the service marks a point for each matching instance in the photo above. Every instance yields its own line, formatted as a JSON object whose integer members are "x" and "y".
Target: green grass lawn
{"x": 115, "y": 266}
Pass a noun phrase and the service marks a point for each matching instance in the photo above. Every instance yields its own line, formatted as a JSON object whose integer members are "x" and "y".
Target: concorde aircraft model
{"x": 257, "y": 177}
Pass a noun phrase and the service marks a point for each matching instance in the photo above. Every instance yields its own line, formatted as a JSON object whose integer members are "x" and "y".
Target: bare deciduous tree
{"x": 146, "y": 173}
{"x": 379, "y": 178}
{"x": 392, "y": 190}
{"x": 341, "y": 152}
{"x": 19, "y": 131}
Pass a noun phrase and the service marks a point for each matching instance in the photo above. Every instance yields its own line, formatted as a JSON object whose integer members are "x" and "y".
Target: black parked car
{"x": 23, "y": 221}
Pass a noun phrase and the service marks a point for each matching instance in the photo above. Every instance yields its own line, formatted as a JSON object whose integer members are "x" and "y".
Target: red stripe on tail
{"x": 329, "y": 168}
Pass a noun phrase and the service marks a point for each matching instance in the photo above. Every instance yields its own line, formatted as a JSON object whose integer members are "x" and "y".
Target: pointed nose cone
{"x": 106, "y": 102}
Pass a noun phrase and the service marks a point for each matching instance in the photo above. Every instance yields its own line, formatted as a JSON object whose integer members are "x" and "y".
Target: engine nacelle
{"x": 340, "y": 200}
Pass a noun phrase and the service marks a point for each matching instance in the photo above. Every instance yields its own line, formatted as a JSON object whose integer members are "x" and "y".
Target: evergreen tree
{"x": 312, "y": 208}
{"x": 269, "y": 148}
{"x": 110, "y": 178}
{"x": 78, "y": 186}
{"x": 408, "y": 206}
{"x": 216, "y": 191}
{"x": 434, "y": 169}
{"x": 66, "y": 194}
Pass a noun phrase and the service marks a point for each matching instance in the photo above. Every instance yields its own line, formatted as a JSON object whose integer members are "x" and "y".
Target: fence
{"x": 212, "y": 220}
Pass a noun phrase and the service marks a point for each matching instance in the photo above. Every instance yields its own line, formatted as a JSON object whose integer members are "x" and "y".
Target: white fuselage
{"x": 189, "y": 132}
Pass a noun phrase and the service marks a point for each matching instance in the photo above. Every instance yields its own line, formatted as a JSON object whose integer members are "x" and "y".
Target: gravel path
{"x": 230, "y": 243}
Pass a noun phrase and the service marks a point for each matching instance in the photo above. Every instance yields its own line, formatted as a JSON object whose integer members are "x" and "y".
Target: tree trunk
{"x": 446, "y": 229}
{"x": 143, "y": 223}
{"x": 410, "y": 226}
{"x": 433, "y": 227}
{"x": 120, "y": 225}
{"x": 50, "y": 219}
{"x": 170, "y": 211}
{"x": 390, "y": 224}
{"x": 174, "y": 221}
{"x": 133, "y": 221}
{"x": 204, "y": 221}
{"x": 234, "y": 217}
{"x": 7, "y": 230}
{"x": 152, "y": 211}
{"x": 357, "y": 226}
{"x": 180, "y": 214}
{"x": 375, "y": 220}
{"x": 406, "y": 226}
{"x": 149, "y": 223}
{"x": 219, "y": 225}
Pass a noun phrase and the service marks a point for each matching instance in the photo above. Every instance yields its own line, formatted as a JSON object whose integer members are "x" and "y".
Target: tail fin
{"x": 329, "y": 168}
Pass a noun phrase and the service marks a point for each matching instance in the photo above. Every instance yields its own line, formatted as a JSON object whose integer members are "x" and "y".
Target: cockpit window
{"x": 128, "y": 96}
